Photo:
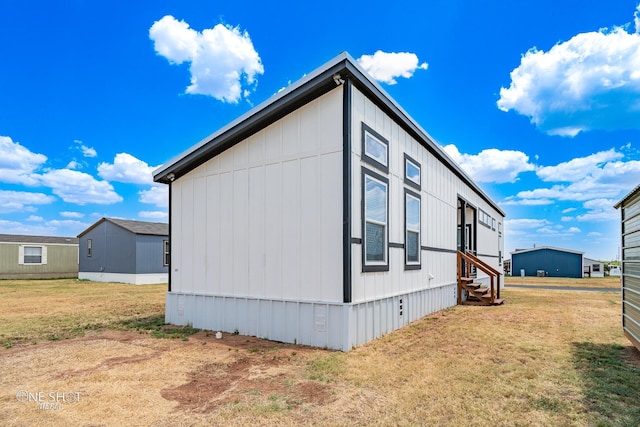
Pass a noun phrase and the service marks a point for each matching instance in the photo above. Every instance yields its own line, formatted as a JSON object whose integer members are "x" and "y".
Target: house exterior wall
{"x": 630, "y": 216}
{"x": 592, "y": 268}
{"x": 264, "y": 218}
{"x": 150, "y": 255}
{"x": 113, "y": 250}
{"x": 61, "y": 261}
{"x": 439, "y": 192}
{"x": 555, "y": 263}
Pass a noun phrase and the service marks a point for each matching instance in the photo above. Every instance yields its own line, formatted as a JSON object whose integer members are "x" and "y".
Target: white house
{"x": 592, "y": 268}
{"x": 325, "y": 216}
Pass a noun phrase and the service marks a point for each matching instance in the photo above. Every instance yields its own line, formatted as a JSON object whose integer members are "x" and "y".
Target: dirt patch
{"x": 262, "y": 370}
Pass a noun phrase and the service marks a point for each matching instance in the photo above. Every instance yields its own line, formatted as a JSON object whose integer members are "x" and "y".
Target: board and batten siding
{"x": 263, "y": 219}
{"x": 630, "y": 216}
{"x": 439, "y": 192}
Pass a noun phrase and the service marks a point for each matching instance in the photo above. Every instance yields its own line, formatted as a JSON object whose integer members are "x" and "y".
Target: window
{"x": 493, "y": 223}
{"x": 32, "y": 254}
{"x": 375, "y": 230}
{"x": 411, "y": 172}
{"x": 484, "y": 218}
{"x": 165, "y": 252}
{"x": 500, "y": 229}
{"x": 412, "y": 230}
{"x": 89, "y": 248}
{"x": 375, "y": 149}
{"x": 596, "y": 268}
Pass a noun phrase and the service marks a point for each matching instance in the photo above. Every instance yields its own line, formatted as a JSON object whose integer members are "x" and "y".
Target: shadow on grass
{"x": 611, "y": 383}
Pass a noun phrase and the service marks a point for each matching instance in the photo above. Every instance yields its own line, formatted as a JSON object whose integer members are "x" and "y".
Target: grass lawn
{"x": 544, "y": 358}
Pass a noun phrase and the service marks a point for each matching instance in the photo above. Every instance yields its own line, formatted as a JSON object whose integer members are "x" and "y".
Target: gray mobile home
{"x": 630, "y": 230}
{"x": 118, "y": 250}
{"x": 325, "y": 216}
{"x": 38, "y": 257}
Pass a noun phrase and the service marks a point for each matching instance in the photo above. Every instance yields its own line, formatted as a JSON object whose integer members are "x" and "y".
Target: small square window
{"x": 412, "y": 175}
{"x": 375, "y": 149}
{"x": 89, "y": 248}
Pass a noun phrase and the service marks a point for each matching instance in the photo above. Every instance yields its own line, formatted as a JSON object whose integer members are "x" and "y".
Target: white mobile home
{"x": 325, "y": 216}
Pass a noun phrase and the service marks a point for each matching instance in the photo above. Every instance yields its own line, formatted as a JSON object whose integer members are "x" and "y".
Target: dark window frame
{"x": 407, "y": 180}
{"x": 371, "y": 160}
{"x": 166, "y": 251}
{"x": 370, "y": 266}
{"x": 407, "y": 264}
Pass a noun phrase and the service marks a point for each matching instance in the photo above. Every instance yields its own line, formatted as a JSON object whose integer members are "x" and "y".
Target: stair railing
{"x": 482, "y": 266}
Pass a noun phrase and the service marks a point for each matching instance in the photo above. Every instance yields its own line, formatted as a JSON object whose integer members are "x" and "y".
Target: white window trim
{"x": 43, "y": 257}
{"x": 408, "y": 180}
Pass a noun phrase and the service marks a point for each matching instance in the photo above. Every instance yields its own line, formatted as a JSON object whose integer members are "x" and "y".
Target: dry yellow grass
{"x": 510, "y": 365}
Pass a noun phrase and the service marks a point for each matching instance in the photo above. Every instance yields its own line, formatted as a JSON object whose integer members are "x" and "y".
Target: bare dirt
{"x": 119, "y": 375}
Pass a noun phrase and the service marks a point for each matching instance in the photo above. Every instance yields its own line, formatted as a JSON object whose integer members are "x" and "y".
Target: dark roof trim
{"x": 627, "y": 197}
{"x": 136, "y": 227}
{"x": 297, "y": 94}
{"x": 18, "y": 238}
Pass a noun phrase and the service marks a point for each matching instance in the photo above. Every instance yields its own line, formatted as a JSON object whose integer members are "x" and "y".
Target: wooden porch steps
{"x": 471, "y": 292}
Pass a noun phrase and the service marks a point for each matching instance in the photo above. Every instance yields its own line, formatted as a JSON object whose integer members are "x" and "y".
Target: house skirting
{"x": 134, "y": 279}
{"x": 68, "y": 275}
{"x": 339, "y": 326}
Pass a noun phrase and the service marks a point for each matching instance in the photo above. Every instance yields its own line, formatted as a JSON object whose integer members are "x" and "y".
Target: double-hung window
{"x": 30, "y": 254}
{"x": 375, "y": 253}
{"x": 165, "y": 252}
{"x": 412, "y": 230}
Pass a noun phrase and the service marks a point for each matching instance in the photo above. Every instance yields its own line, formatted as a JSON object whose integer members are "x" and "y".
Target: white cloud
{"x": 574, "y": 230}
{"x": 567, "y": 210}
{"x": 512, "y": 201}
{"x": 157, "y": 195}
{"x": 35, "y": 218}
{"x": 526, "y": 223}
{"x": 86, "y": 151}
{"x": 156, "y": 215}
{"x": 567, "y": 218}
{"x": 222, "y": 59}
{"x": 591, "y": 81}
{"x": 71, "y": 214}
{"x": 594, "y": 234}
{"x": 598, "y": 176}
{"x": 492, "y": 165}
{"x": 17, "y": 163}
{"x": 127, "y": 169}
{"x": 386, "y": 66}
{"x": 22, "y": 201}
{"x": 577, "y": 168}
{"x": 79, "y": 188}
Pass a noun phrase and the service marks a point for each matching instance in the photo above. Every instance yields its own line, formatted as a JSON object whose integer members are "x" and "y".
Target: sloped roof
{"x": 21, "y": 238}
{"x": 539, "y": 248}
{"x": 325, "y": 78}
{"x": 136, "y": 227}
{"x": 627, "y": 197}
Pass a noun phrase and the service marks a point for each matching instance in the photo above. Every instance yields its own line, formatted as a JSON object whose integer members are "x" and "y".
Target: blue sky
{"x": 539, "y": 101}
